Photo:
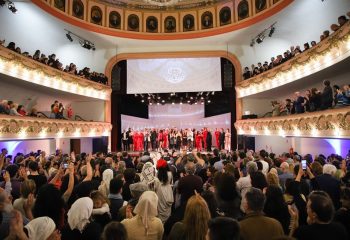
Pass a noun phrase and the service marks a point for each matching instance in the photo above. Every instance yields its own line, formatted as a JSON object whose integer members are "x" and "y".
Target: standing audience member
{"x": 255, "y": 225}
{"x": 145, "y": 225}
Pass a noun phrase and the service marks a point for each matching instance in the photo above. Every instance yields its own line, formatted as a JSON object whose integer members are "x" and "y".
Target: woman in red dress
{"x": 199, "y": 138}
{"x": 135, "y": 139}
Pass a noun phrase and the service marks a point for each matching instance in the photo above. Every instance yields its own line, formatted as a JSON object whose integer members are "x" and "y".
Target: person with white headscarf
{"x": 107, "y": 176}
{"x": 79, "y": 224}
{"x": 145, "y": 225}
{"x": 41, "y": 228}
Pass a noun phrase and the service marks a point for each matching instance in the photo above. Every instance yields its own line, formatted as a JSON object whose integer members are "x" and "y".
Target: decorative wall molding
{"x": 333, "y": 123}
{"x": 13, "y": 127}
{"x": 27, "y": 69}
{"x": 126, "y": 19}
{"x": 326, "y": 53}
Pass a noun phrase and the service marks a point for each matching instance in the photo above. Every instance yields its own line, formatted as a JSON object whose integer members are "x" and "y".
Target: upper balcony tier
{"x": 13, "y": 127}
{"x": 27, "y": 69}
{"x": 328, "y": 52}
{"x": 333, "y": 123}
{"x": 162, "y": 20}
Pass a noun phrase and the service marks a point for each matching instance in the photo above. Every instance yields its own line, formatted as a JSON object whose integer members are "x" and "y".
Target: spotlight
{"x": 272, "y": 30}
{"x": 260, "y": 39}
{"x": 142, "y": 100}
{"x": 180, "y": 103}
{"x": 11, "y": 7}
{"x": 69, "y": 37}
{"x": 163, "y": 100}
{"x": 173, "y": 103}
{"x": 209, "y": 101}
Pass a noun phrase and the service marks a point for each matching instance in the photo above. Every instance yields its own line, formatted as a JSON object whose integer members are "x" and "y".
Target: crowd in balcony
{"x": 58, "y": 111}
{"x": 174, "y": 195}
{"x": 54, "y": 62}
{"x": 291, "y": 53}
{"x": 314, "y": 100}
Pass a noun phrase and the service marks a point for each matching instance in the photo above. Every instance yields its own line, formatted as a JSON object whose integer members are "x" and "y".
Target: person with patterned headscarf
{"x": 148, "y": 176}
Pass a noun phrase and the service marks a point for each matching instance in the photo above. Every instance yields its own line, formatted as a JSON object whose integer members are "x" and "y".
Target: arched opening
{"x": 220, "y": 103}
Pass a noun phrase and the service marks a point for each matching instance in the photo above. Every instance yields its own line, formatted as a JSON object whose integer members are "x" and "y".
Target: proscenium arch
{"x": 194, "y": 54}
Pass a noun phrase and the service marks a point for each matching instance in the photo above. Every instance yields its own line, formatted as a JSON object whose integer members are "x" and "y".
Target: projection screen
{"x": 173, "y": 75}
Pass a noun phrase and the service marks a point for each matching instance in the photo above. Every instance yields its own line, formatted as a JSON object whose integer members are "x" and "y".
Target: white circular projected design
{"x": 174, "y": 72}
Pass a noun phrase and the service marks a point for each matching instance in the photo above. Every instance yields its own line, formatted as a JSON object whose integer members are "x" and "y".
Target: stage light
{"x": 195, "y": 103}
{"x": 188, "y": 101}
{"x": 163, "y": 100}
{"x": 69, "y": 37}
{"x": 180, "y": 103}
{"x": 11, "y": 7}
{"x": 260, "y": 39}
{"x": 202, "y": 103}
{"x": 209, "y": 101}
{"x": 202, "y": 98}
{"x": 150, "y": 103}
{"x": 173, "y": 103}
{"x": 142, "y": 100}
{"x": 158, "y": 103}
{"x": 191, "y": 98}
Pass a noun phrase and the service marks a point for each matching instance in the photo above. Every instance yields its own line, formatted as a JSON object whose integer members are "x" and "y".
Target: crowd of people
{"x": 314, "y": 100}
{"x": 159, "y": 139}
{"x": 58, "y": 111}
{"x": 54, "y": 62}
{"x": 289, "y": 54}
{"x": 226, "y": 195}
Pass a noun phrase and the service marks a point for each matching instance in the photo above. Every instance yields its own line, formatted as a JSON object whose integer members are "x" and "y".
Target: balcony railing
{"x": 13, "y": 127}
{"x": 333, "y": 123}
{"x": 27, "y": 69}
{"x": 326, "y": 53}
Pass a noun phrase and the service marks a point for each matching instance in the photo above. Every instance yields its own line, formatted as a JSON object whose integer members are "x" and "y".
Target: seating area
{"x": 105, "y": 196}
{"x": 291, "y": 53}
{"x": 54, "y": 62}
{"x": 314, "y": 100}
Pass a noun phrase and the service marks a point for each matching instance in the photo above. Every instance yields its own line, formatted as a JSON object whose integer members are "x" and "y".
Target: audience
{"x": 314, "y": 100}
{"x": 242, "y": 201}
{"x": 54, "y": 62}
{"x": 287, "y": 55}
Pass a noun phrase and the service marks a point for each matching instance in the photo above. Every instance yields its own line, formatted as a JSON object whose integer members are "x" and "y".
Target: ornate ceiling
{"x": 162, "y": 4}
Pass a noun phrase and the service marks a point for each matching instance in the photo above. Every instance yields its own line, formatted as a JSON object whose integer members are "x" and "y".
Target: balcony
{"x": 330, "y": 51}
{"x": 333, "y": 123}
{"x": 29, "y": 70}
{"x": 13, "y": 127}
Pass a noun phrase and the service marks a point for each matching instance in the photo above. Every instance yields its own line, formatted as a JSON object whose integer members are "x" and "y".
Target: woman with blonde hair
{"x": 27, "y": 187}
{"x": 195, "y": 222}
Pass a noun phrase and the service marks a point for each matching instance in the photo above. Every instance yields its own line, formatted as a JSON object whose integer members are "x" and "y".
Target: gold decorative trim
{"x": 12, "y": 127}
{"x": 333, "y": 123}
{"x": 326, "y": 53}
{"x": 27, "y": 69}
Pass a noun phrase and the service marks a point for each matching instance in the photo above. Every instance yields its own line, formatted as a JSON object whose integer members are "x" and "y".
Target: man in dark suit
{"x": 154, "y": 139}
{"x": 328, "y": 183}
{"x": 222, "y": 139}
{"x": 327, "y": 95}
{"x": 208, "y": 140}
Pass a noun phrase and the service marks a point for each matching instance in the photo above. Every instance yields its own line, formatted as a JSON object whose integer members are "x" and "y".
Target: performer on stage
{"x": 165, "y": 138}
{"x": 222, "y": 139}
{"x": 217, "y": 137}
{"x": 205, "y": 133}
{"x": 125, "y": 140}
{"x": 178, "y": 140}
{"x": 228, "y": 140}
{"x": 199, "y": 139}
{"x": 190, "y": 139}
{"x": 154, "y": 139}
{"x": 130, "y": 140}
{"x": 208, "y": 140}
{"x": 184, "y": 139}
{"x": 160, "y": 139}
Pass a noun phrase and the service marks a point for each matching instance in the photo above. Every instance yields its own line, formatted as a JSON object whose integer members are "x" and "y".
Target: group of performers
{"x": 158, "y": 139}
